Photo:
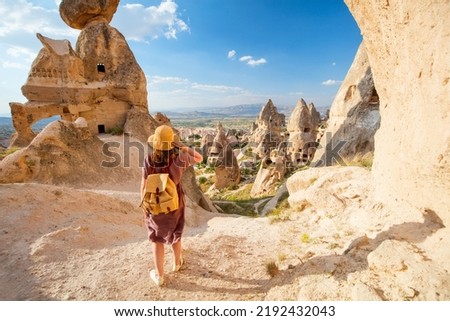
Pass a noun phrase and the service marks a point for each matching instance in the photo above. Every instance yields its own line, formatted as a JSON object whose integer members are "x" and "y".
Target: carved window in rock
{"x": 101, "y": 68}
{"x": 101, "y": 129}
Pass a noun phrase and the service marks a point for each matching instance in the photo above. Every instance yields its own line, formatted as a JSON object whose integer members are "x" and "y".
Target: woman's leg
{"x": 158, "y": 257}
{"x": 176, "y": 249}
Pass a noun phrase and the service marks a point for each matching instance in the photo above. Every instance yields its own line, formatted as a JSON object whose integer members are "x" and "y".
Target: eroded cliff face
{"x": 354, "y": 116}
{"x": 408, "y": 45}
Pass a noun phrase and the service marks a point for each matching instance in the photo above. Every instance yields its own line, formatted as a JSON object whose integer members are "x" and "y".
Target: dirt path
{"x": 66, "y": 244}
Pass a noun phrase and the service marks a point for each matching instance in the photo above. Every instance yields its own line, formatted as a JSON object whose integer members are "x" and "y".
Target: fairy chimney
{"x": 303, "y": 128}
{"x": 266, "y": 133}
{"x": 222, "y": 158}
{"x": 100, "y": 80}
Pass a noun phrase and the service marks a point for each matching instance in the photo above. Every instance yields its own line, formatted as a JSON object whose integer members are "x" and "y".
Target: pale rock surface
{"x": 354, "y": 117}
{"x": 281, "y": 193}
{"x": 363, "y": 250}
{"x": 322, "y": 188}
{"x": 140, "y": 125}
{"x": 194, "y": 193}
{"x": 270, "y": 175}
{"x": 363, "y": 292}
{"x": 408, "y": 46}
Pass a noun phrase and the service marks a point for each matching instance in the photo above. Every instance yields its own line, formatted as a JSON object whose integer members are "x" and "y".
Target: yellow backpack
{"x": 160, "y": 195}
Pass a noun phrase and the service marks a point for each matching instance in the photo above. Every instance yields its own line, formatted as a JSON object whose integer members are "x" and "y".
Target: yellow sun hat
{"x": 163, "y": 138}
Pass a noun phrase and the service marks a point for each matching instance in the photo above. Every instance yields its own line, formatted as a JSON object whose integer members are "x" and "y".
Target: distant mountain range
{"x": 7, "y": 129}
{"x": 249, "y": 110}
{"x": 242, "y": 111}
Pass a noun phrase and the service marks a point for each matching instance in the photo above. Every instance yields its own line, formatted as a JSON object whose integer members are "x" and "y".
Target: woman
{"x": 172, "y": 157}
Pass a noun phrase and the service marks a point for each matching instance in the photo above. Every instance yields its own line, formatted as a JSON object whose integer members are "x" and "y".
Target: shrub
{"x": 8, "y": 151}
{"x": 280, "y": 213}
{"x": 116, "y": 130}
{"x": 272, "y": 268}
{"x": 305, "y": 238}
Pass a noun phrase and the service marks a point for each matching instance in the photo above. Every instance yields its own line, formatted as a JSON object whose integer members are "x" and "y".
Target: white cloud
{"x": 172, "y": 92}
{"x": 333, "y": 64}
{"x": 245, "y": 58}
{"x": 21, "y": 52}
{"x": 173, "y": 84}
{"x": 331, "y": 82}
{"x": 215, "y": 88}
{"x": 252, "y": 62}
{"x": 258, "y": 62}
{"x": 23, "y": 16}
{"x": 231, "y": 54}
{"x": 167, "y": 80}
{"x": 139, "y": 23}
{"x": 14, "y": 65}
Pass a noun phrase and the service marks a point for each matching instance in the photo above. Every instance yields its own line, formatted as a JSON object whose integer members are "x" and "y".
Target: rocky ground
{"x": 66, "y": 243}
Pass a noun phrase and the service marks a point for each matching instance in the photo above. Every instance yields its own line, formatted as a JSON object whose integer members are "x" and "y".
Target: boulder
{"x": 325, "y": 188}
{"x": 270, "y": 175}
{"x": 78, "y": 13}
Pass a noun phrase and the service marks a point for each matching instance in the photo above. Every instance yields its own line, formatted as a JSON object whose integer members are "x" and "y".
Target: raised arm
{"x": 194, "y": 156}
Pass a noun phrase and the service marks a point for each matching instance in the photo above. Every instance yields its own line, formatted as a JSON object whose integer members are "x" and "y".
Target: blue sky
{"x": 198, "y": 53}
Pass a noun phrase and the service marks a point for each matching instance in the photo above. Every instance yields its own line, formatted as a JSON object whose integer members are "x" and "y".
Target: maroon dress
{"x": 168, "y": 228}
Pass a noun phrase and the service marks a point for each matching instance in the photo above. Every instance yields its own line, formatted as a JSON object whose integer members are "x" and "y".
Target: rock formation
{"x": 303, "y": 128}
{"x": 266, "y": 131}
{"x": 205, "y": 144}
{"x": 190, "y": 187}
{"x": 222, "y": 158}
{"x": 408, "y": 45}
{"x": 100, "y": 80}
{"x": 354, "y": 116}
{"x": 162, "y": 119}
{"x": 139, "y": 125}
{"x": 66, "y": 153}
{"x": 78, "y": 13}
{"x": 271, "y": 173}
